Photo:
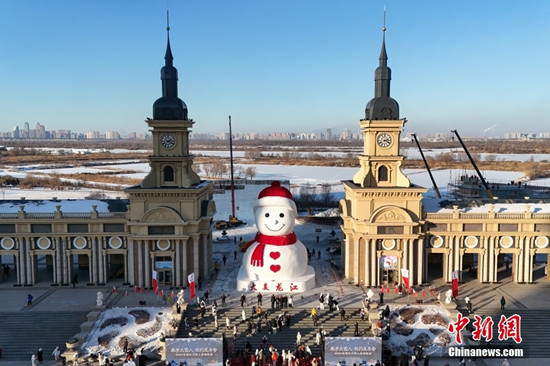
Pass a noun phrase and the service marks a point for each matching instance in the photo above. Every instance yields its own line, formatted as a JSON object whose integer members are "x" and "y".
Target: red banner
{"x": 455, "y": 284}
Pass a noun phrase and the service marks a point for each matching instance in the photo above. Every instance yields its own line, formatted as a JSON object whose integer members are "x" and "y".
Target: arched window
{"x": 168, "y": 174}
{"x": 383, "y": 174}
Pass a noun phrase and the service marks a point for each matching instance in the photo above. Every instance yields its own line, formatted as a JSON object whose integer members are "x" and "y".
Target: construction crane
{"x": 474, "y": 164}
{"x": 427, "y": 166}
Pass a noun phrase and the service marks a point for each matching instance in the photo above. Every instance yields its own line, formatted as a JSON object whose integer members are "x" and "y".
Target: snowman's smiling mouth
{"x": 275, "y": 230}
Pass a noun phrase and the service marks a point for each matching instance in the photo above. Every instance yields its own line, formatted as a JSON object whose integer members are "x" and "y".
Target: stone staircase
{"x": 534, "y": 332}
{"x": 301, "y": 321}
{"x": 24, "y": 332}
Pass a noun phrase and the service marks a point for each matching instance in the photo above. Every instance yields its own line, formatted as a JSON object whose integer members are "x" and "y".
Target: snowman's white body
{"x": 284, "y": 262}
{"x": 284, "y": 268}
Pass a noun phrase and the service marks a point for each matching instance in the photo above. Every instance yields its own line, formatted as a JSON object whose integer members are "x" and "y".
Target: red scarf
{"x": 257, "y": 258}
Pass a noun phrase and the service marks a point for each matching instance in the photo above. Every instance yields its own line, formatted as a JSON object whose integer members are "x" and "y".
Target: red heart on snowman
{"x": 275, "y": 268}
{"x": 274, "y": 255}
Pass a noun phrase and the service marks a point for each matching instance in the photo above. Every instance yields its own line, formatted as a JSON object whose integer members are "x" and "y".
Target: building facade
{"x": 163, "y": 226}
{"x": 386, "y": 229}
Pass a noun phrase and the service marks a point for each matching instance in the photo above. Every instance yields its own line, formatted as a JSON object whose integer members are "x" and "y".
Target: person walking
{"x": 502, "y": 303}
{"x": 235, "y": 255}
{"x": 356, "y": 329}
{"x": 34, "y": 362}
{"x": 223, "y": 300}
{"x": 40, "y": 355}
{"x": 29, "y": 300}
{"x": 224, "y": 259}
{"x": 56, "y": 353}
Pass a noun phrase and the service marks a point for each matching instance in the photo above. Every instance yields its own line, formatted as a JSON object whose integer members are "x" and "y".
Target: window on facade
{"x": 161, "y": 230}
{"x": 542, "y": 227}
{"x": 41, "y": 228}
{"x": 7, "y": 228}
{"x": 508, "y": 227}
{"x": 168, "y": 174}
{"x": 472, "y": 227}
{"x": 77, "y": 228}
{"x": 383, "y": 174}
{"x": 437, "y": 227}
{"x": 390, "y": 230}
{"x": 113, "y": 228}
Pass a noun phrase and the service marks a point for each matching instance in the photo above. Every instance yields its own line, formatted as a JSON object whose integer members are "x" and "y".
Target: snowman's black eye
{"x": 281, "y": 215}
{"x": 266, "y": 215}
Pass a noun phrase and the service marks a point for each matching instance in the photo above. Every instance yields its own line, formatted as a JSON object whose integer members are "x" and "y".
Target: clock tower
{"x": 171, "y": 162}
{"x": 382, "y": 127}
{"x": 170, "y": 213}
{"x": 382, "y": 209}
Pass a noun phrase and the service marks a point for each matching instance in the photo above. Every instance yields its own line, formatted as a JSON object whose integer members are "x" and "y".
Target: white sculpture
{"x": 181, "y": 301}
{"x": 448, "y": 296}
{"x": 99, "y": 300}
{"x": 370, "y": 294}
{"x": 276, "y": 260}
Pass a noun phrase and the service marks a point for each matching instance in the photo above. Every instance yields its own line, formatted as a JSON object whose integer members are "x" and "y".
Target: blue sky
{"x": 276, "y": 65}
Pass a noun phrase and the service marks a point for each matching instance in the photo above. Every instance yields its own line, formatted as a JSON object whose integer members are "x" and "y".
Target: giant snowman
{"x": 275, "y": 261}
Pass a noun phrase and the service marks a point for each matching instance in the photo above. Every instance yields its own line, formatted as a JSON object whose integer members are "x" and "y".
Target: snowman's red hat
{"x": 276, "y": 195}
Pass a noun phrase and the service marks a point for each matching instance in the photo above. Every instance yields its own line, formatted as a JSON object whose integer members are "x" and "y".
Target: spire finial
{"x": 168, "y": 20}
{"x": 384, "y": 24}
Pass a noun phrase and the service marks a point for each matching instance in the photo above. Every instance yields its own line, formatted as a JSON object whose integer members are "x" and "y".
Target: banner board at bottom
{"x": 363, "y": 351}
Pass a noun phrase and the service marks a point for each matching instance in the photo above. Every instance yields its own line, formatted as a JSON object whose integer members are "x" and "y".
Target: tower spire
{"x": 169, "y": 106}
{"x": 382, "y": 106}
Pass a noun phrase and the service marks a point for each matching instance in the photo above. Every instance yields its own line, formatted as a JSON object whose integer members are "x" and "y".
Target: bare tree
{"x": 250, "y": 172}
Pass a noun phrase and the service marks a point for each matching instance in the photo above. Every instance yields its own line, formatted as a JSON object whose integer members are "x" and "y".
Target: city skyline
{"x": 286, "y": 64}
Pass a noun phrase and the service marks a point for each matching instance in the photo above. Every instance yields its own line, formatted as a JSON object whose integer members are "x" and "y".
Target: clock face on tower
{"x": 168, "y": 141}
{"x": 384, "y": 140}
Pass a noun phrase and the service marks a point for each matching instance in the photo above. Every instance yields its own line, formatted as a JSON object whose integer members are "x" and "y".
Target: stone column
{"x": 412, "y": 267}
{"x": 375, "y": 264}
{"x": 177, "y": 263}
{"x": 184, "y": 270}
{"x": 485, "y": 269}
{"x": 457, "y": 262}
{"x": 141, "y": 282}
{"x": 196, "y": 268}
{"x": 421, "y": 254}
{"x": 347, "y": 264}
{"x": 21, "y": 262}
{"x": 492, "y": 263}
{"x": 90, "y": 269}
{"x": 532, "y": 253}
{"x": 363, "y": 263}
{"x": 101, "y": 260}
{"x": 130, "y": 259}
{"x": 56, "y": 261}
{"x": 95, "y": 259}
{"x": 147, "y": 262}
{"x": 405, "y": 258}
{"x": 207, "y": 257}
{"x": 354, "y": 263}
{"x": 30, "y": 263}
{"x": 64, "y": 260}
{"x": 528, "y": 267}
